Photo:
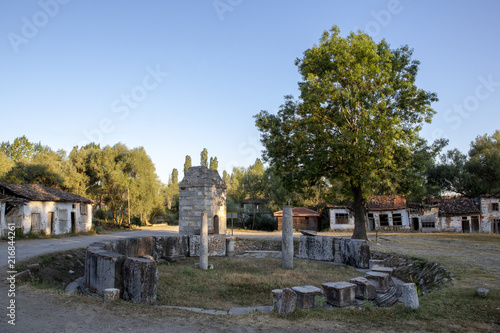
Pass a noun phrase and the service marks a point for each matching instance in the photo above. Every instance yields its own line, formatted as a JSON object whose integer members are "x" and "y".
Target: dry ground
{"x": 474, "y": 259}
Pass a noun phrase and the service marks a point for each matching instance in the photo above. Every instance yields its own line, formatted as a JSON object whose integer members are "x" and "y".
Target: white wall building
{"x": 37, "y": 208}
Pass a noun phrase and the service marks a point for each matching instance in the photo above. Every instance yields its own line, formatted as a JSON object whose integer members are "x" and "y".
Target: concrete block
{"x": 364, "y": 288}
{"x": 379, "y": 280}
{"x": 309, "y": 297}
{"x": 387, "y": 270}
{"x": 316, "y": 248}
{"x": 340, "y": 294}
{"x": 103, "y": 269}
{"x": 140, "y": 280}
{"x": 171, "y": 247}
{"x": 284, "y": 301}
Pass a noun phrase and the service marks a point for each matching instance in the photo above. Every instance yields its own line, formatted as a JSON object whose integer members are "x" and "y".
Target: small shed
{"x": 202, "y": 190}
{"x": 303, "y": 219}
{"x": 38, "y": 208}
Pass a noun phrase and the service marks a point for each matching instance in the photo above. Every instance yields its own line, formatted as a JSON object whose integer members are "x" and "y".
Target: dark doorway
{"x": 73, "y": 223}
{"x": 384, "y": 220}
{"x": 475, "y": 224}
{"x": 414, "y": 220}
{"x": 216, "y": 224}
{"x": 50, "y": 219}
{"x": 465, "y": 225}
{"x": 371, "y": 222}
{"x": 496, "y": 226}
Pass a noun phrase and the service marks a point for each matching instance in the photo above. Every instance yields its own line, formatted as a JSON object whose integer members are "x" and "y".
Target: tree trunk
{"x": 359, "y": 214}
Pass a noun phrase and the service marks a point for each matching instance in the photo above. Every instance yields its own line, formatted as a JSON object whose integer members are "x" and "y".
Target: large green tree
{"x": 359, "y": 107}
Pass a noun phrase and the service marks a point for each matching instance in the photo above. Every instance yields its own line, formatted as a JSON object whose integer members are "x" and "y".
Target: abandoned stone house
{"x": 382, "y": 212}
{"x": 392, "y": 212}
{"x": 303, "y": 219}
{"x": 202, "y": 190}
{"x": 38, "y": 208}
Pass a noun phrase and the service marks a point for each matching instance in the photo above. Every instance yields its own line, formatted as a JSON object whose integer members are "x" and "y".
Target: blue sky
{"x": 179, "y": 76}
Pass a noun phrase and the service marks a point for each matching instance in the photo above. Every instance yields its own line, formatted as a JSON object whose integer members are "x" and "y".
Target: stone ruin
{"x": 202, "y": 190}
{"x": 129, "y": 265}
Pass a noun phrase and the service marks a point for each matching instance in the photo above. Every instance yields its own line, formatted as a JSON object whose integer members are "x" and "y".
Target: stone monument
{"x": 202, "y": 190}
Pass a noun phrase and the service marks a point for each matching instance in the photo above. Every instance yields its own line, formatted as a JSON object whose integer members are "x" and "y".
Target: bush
{"x": 101, "y": 214}
{"x": 262, "y": 222}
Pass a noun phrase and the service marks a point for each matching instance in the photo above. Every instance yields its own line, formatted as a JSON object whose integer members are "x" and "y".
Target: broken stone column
{"x": 410, "y": 295}
{"x": 111, "y": 294}
{"x": 284, "y": 301}
{"x": 230, "y": 246}
{"x": 287, "y": 238}
{"x": 204, "y": 241}
{"x": 365, "y": 289}
{"x": 340, "y": 294}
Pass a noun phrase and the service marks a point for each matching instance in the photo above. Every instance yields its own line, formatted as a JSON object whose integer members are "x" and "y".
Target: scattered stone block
{"x": 355, "y": 252}
{"x": 379, "y": 280}
{"x": 483, "y": 292}
{"x": 364, "y": 288}
{"x": 309, "y": 297}
{"x": 340, "y": 294}
{"x": 374, "y": 263}
{"x": 410, "y": 295}
{"x": 387, "y": 270}
{"x": 140, "y": 280}
{"x": 284, "y": 301}
{"x": 23, "y": 276}
{"x": 111, "y": 294}
{"x": 103, "y": 269}
{"x": 132, "y": 247}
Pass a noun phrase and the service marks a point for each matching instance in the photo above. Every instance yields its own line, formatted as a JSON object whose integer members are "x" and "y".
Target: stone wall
{"x": 353, "y": 252}
{"x": 428, "y": 276}
{"x": 129, "y": 264}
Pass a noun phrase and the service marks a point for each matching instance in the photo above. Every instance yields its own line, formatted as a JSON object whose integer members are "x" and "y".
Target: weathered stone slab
{"x": 140, "y": 280}
{"x": 171, "y": 247}
{"x": 309, "y": 297}
{"x": 379, "y": 280}
{"x": 483, "y": 292}
{"x": 355, "y": 252}
{"x": 284, "y": 301}
{"x": 340, "y": 294}
{"x": 132, "y": 247}
{"x": 387, "y": 270}
{"x": 410, "y": 295}
{"x": 216, "y": 245}
{"x": 364, "y": 288}
{"x": 375, "y": 263}
{"x": 111, "y": 294}
{"x": 308, "y": 232}
{"x": 316, "y": 248}
{"x": 103, "y": 269}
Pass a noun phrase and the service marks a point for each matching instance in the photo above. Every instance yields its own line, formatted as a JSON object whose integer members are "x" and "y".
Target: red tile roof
{"x": 300, "y": 211}
{"x": 386, "y": 202}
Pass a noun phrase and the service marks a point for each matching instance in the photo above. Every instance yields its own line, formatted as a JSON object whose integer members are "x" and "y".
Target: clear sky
{"x": 179, "y": 76}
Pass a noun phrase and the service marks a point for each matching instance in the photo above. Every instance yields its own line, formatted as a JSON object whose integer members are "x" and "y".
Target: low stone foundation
{"x": 352, "y": 252}
{"x": 129, "y": 264}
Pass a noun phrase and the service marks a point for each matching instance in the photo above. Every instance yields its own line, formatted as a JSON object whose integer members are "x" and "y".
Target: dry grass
{"x": 239, "y": 282}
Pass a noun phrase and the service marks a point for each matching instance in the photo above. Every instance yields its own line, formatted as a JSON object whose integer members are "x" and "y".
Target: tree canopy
{"x": 357, "y": 120}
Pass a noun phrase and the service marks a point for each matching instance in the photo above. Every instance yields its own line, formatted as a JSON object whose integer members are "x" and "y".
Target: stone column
{"x": 287, "y": 238}
{"x": 204, "y": 241}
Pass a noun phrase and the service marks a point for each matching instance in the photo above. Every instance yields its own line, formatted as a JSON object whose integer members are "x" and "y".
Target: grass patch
{"x": 239, "y": 282}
